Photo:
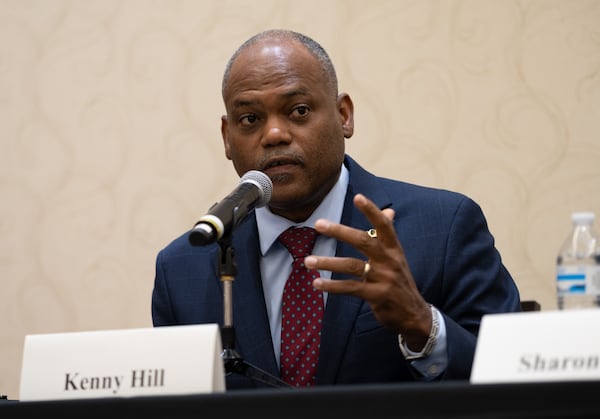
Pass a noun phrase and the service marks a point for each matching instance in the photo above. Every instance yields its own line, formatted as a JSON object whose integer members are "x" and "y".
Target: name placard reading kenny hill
{"x": 122, "y": 363}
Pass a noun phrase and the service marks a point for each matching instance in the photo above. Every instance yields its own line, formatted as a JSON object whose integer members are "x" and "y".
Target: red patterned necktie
{"x": 302, "y": 312}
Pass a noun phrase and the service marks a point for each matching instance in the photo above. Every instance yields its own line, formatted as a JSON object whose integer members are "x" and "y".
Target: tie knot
{"x": 299, "y": 241}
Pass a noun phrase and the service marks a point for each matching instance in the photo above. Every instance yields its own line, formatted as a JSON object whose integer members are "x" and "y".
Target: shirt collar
{"x": 270, "y": 226}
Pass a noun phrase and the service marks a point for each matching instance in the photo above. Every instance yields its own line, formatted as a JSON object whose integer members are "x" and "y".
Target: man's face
{"x": 284, "y": 119}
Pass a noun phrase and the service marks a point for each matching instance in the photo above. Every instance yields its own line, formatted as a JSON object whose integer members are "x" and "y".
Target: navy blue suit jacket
{"x": 451, "y": 254}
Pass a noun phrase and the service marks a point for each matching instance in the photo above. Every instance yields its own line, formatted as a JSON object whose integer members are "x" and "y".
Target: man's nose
{"x": 276, "y": 132}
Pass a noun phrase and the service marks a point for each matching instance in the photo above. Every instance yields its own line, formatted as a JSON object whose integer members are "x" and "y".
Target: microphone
{"x": 253, "y": 191}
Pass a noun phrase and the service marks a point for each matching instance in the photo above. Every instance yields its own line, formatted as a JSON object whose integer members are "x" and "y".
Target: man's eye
{"x": 301, "y": 110}
{"x": 248, "y": 119}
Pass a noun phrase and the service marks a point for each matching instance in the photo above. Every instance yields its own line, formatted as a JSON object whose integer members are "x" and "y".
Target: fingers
{"x": 381, "y": 220}
{"x": 389, "y": 213}
{"x": 350, "y": 266}
{"x": 380, "y": 246}
{"x": 349, "y": 287}
{"x": 382, "y": 277}
{"x": 353, "y": 236}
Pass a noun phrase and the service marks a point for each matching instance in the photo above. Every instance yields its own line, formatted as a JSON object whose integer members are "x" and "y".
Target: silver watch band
{"x": 431, "y": 340}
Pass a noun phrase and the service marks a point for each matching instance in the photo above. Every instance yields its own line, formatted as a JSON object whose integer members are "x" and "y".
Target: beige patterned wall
{"x": 110, "y": 143}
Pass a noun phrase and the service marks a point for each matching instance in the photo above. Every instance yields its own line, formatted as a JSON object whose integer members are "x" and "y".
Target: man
{"x": 405, "y": 272}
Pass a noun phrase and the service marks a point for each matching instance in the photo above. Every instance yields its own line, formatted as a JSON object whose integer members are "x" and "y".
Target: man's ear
{"x": 346, "y": 111}
{"x": 224, "y": 125}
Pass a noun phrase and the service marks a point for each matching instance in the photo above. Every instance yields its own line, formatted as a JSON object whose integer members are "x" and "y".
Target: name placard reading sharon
{"x": 121, "y": 363}
{"x": 538, "y": 346}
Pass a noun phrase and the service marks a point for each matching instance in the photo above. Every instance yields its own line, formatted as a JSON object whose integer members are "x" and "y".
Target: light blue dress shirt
{"x": 276, "y": 265}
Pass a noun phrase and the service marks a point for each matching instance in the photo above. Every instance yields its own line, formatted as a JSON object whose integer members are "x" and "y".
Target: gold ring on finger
{"x": 366, "y": 270}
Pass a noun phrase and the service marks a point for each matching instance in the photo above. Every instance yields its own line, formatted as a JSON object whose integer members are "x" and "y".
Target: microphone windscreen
{"x": 263, "y": 182}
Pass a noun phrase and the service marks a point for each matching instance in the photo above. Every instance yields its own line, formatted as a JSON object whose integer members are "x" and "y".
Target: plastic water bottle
{"x": 578, "y": 265}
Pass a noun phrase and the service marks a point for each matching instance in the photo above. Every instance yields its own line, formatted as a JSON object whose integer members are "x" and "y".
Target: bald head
{"x": 314, "y": 48}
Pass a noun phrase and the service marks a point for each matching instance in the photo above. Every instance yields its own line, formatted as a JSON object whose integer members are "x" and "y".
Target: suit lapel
{"x": 342, "y": 310}
{"x": 253, "y": 336}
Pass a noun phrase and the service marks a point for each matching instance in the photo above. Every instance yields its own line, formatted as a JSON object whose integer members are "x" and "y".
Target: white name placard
{"x": 538, "y": 346}
{"x": 121, "y": 363}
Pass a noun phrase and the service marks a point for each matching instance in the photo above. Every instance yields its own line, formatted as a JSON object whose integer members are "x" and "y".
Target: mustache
{"x": 292, "y": 157}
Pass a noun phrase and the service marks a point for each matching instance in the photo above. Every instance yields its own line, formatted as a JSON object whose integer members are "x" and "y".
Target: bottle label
{"x": 578, "y": 279}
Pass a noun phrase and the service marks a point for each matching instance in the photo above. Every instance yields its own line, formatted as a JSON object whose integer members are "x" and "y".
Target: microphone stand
{"x": 233, "y": 361}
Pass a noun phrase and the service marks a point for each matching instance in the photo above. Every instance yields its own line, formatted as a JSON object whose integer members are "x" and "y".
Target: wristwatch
{"x": 431, "y": 340}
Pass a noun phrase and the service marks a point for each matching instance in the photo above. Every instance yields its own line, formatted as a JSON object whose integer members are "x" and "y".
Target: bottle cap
{"x": 583, "y": 217}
